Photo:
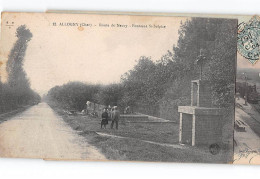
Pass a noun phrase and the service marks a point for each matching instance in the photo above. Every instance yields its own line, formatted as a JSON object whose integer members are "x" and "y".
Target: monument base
{"x": 200, "y": 125}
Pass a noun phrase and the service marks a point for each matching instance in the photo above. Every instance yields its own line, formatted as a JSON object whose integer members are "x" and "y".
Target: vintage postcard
{"x": 117, "y": 87}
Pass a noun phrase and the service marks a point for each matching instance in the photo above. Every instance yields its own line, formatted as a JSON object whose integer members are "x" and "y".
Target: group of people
{"x": 113, "y": 114}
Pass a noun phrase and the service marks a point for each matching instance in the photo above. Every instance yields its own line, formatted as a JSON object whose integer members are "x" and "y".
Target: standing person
{"x": 109, "y": 111}
{"x": 104, "y": 117}
{"x": 115, "y": 117}
{"x": 87, "y": 106}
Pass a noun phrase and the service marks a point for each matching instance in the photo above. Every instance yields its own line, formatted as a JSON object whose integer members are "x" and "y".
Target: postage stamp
{"x": 248, "y": 39}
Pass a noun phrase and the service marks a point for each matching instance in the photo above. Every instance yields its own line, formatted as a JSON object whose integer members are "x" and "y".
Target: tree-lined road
{"x": 40, "y": 133}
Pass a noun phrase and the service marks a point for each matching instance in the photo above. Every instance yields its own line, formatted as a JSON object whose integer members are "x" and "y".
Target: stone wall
{"x": 208, "y": 130}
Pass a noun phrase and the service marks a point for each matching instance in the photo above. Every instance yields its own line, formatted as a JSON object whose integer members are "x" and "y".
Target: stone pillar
{"x": 185, "y": 136}
{"x": 201, "y": 93}
{"x": 193, "y": 130}
{"x": 194, "y": 93}
{"x": 180, "y": 129}
{"x": 205, "y": 96}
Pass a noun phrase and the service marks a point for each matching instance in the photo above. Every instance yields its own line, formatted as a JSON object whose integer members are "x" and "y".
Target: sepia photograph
{"x": 99, "y": 87}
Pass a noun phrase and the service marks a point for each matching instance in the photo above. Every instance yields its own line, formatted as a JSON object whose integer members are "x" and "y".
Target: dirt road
{"x": 40, "y": 133}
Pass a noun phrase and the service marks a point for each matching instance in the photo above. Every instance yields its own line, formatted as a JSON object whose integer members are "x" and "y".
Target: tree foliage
{"x": 17, "y": 92}
{"x": 73, "y": 95}
{"x": 217, "y": 39}
{"x": 16, "y": 74}
{"x": 158, "y": 87}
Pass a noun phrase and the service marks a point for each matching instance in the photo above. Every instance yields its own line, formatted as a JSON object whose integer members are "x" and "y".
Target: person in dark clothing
{"x": 104, "y": 120}
{"x": 115, "y": 117}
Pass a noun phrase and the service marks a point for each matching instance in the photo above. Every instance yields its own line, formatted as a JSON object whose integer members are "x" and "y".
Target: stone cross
{"x": 200, "y": 60}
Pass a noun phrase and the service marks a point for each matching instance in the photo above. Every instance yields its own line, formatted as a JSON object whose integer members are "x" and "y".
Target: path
{"x": 40, "y": 133}
{"x": 176, "y": 146}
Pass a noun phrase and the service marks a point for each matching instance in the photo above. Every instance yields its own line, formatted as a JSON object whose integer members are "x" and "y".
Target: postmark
{"x": 248, "y": 39}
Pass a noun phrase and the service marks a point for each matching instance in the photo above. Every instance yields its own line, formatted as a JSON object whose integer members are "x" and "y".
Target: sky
{"x": 97, "y": 54}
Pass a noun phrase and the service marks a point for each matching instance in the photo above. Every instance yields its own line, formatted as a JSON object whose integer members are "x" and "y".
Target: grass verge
{"x": 8, "y": 115}
{"x": 133, "y": 147}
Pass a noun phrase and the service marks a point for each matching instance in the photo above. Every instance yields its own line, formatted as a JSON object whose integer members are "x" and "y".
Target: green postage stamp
{"x": 248, "y": 39}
